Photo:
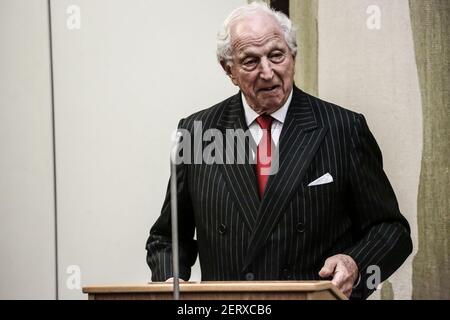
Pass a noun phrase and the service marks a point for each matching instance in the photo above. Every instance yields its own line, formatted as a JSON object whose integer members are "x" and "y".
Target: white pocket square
{"x": 326, "y": 178}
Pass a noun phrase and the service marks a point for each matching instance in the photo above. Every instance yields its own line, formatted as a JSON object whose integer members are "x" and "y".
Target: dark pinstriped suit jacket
{"x": 294, "y": 228}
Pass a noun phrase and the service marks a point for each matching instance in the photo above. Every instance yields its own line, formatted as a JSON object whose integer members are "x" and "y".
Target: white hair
{"x": 224, "y": 49}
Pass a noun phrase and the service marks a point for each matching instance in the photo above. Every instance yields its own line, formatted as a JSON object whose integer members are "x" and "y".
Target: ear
{"x": 294, "y": 56}
{"x": 227, "y": 68}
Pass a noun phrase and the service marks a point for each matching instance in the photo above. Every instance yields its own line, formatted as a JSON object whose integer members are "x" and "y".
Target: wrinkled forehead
{"x": 255, "y": 28}
{"x": 255, "y": 32}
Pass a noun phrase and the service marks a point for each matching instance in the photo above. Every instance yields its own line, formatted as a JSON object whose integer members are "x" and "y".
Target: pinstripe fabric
{"x": 294, "y": 228}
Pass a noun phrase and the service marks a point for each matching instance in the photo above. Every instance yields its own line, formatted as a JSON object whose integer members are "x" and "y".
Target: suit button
{"x": 222, "y": 228}
{"x": 300, "y": 227}
{"x": 249, "y": 276}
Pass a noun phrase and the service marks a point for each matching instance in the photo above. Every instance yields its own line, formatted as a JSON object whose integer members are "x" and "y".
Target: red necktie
{"x": 264, "y": 153}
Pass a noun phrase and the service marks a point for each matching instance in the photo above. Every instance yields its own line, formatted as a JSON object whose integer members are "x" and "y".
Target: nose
{"x": 266, "y": 71}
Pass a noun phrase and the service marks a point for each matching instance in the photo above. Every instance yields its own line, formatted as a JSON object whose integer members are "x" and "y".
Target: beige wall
{"x": 122, "y": 83}
{"x": 374, "y": 72}
{"x": 27, "y": 253}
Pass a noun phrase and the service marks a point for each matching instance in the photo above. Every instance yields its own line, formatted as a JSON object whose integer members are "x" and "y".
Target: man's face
{"x": 263, "y": 66}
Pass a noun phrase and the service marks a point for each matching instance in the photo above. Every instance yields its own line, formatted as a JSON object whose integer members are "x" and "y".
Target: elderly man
{"x": 327, "y": 212}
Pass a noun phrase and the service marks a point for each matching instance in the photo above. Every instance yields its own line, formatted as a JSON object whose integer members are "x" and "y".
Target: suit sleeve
{"x": 382, "y": 233}
{"x": 159, "y": 243}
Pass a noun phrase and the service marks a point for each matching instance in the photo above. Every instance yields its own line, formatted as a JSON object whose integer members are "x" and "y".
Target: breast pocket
{"x": 321, "y": 191}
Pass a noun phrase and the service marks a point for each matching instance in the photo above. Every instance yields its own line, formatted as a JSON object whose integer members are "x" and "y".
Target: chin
{"x": 271, "y": 108}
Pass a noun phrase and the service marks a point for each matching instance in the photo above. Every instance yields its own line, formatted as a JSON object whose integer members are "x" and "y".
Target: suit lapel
{"x": 300, "y": 138}
{"x": 240, "y": 178}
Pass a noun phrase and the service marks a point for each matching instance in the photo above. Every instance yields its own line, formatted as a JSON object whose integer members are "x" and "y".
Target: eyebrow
{"x": 249, "y": 52}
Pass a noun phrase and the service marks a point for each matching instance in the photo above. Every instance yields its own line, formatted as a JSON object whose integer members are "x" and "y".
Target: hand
{"x": 171, "y": 280}
{"x": 344, "y": 271}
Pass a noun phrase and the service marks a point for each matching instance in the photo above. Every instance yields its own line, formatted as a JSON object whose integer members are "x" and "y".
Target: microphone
{"x": 174, "y": 215}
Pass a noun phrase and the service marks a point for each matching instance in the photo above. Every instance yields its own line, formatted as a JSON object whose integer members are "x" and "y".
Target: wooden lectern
{"x": 241, "y": 290}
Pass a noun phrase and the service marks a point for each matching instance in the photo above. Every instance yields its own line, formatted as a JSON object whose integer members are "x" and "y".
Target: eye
{"x": 250, "y": 63}
{"x": 276, "y": 56}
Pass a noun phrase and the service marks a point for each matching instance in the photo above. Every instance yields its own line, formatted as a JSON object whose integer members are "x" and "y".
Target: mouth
{"x": 269, "y": 89}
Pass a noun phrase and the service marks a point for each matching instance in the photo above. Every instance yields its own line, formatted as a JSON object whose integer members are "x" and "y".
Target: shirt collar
{"x": 279, "y": 115}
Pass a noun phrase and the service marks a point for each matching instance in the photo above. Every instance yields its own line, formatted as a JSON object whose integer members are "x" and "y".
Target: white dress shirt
{"x": 278, "y": 116}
